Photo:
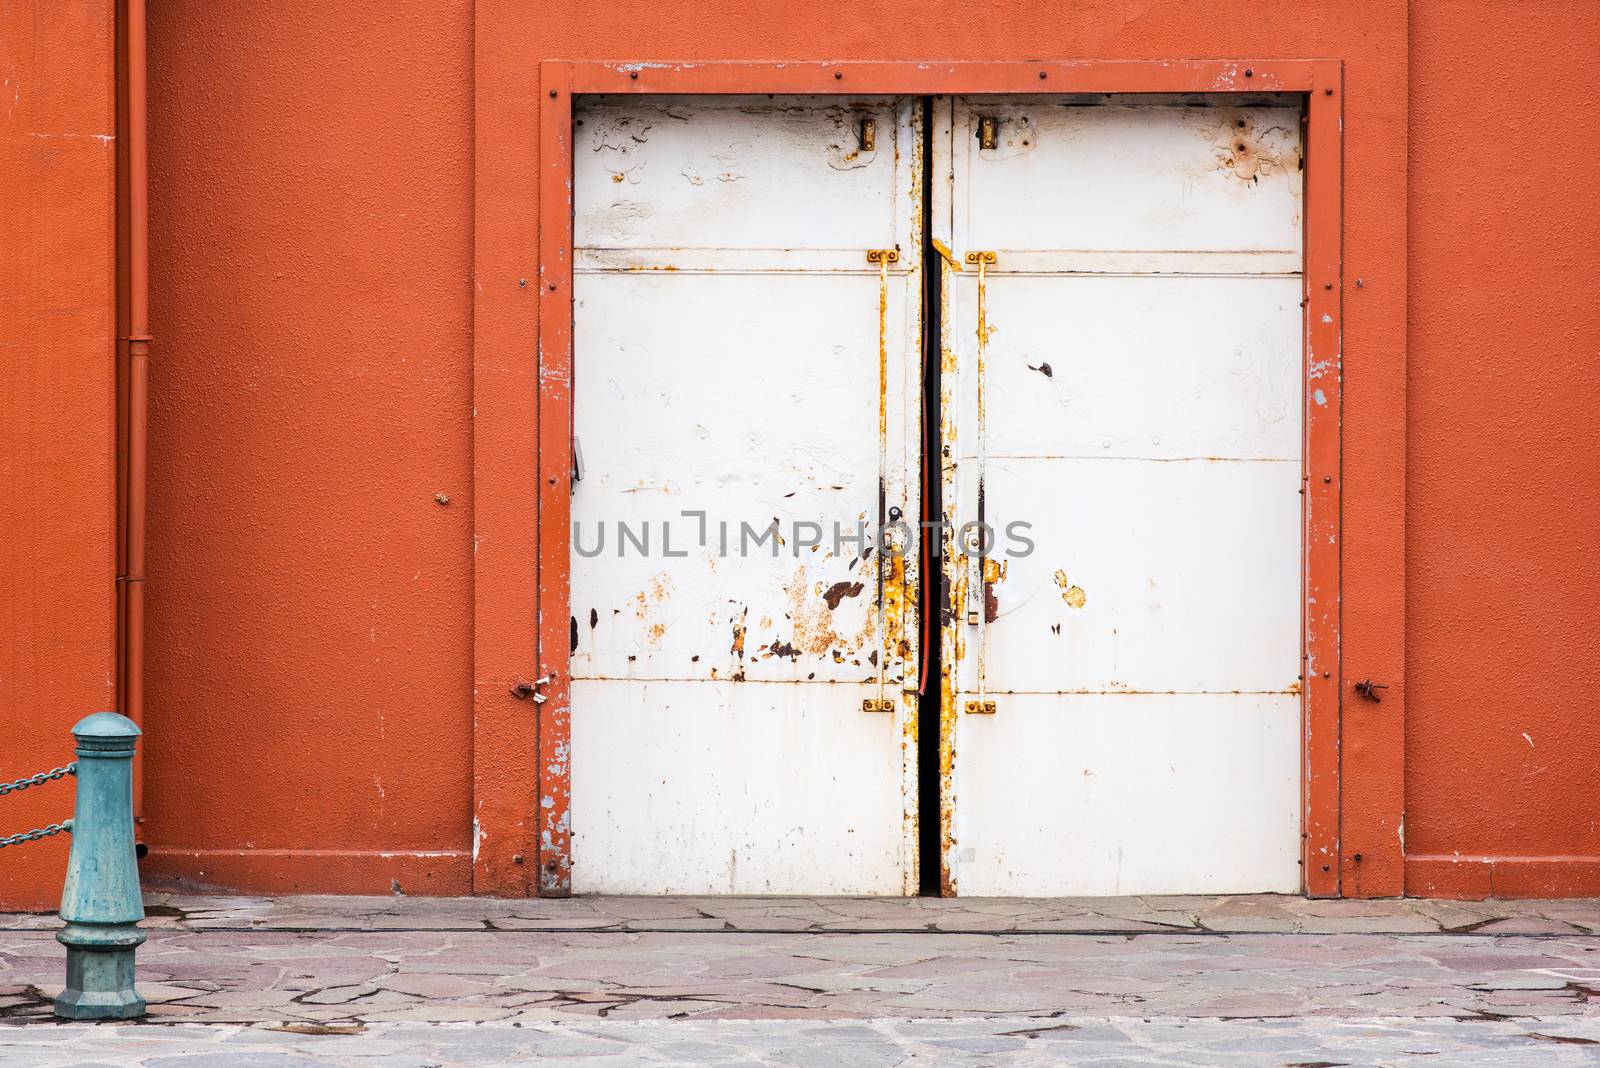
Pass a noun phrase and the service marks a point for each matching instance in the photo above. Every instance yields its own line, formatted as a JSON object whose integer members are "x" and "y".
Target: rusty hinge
{"x": 983, "y": 256}
{"x": 980, "y": 708}
{"x": 883, "y": 255}
{"x": 988, "y": 131}
{"x": 878, "y": 704}
{"x": 867, "y": 135}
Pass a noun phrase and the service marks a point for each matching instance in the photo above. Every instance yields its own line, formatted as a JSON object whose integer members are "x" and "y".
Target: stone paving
{"x": 1085, "y": 1042}
{"x": 1244, "y": 980}
{"x": 1257, "y": 913}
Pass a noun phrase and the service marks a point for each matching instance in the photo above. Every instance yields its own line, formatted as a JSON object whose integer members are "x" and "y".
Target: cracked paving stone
{"x": 337, "y": 995}
{"x": 235, "y": 1060}
{"x": 433, "y": 985}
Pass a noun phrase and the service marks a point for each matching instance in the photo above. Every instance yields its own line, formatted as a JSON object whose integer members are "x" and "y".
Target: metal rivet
{"x": 837, "y": 75}
{"x": 516, "y": 858}
{"x": 1327, "y": 478}
{"x": 1358, "y": 858}
{"x": 1324, "y": 867}
{"x": 1327, "y": 92}
{"x": 1327, "y": 285}
{"x": 633, "y": 74}
{"x": 1043, "y": 76}
{"x": 442, "y": 498}
{"x": 552, "y": 285}
{"x": 1248, "y": 73}
{"x": 522, "y": 283}
{"x": 1326, "y": 674}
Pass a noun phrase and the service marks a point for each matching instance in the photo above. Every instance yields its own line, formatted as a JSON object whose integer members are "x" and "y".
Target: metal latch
{"x": 523, "y": 689}
{"x": 975, "y": 588}
{"x": 878, "y": 704}
{"x": 980, "y": 708}
{"x": 883, "y": 255}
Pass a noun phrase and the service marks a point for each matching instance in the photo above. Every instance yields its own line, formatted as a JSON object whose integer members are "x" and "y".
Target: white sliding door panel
{"x": 738, "y": 718}
{"x": 1127, "y": 693}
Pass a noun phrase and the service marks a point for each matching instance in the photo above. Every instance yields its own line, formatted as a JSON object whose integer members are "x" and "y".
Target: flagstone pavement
{"x": 822, "y": 981}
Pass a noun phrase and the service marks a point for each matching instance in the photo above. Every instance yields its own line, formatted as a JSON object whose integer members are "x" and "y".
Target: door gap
{"x": 930, "y": 689}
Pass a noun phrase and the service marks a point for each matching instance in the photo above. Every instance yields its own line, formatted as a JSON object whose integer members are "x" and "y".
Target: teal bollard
{"x": 101, "y": 903}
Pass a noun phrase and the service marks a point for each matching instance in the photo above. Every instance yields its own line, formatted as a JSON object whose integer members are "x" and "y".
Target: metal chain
{"x": 37, "y": 780}
{"x": 34, "y": 836}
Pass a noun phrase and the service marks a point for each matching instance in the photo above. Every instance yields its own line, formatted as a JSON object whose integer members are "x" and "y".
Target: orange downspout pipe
{"x": 138, "y": 378}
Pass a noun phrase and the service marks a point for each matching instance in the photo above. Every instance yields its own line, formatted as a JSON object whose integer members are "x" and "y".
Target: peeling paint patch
{"x": 1073, "y": 595}
{"x": 1250, "y": 150}
{"x": 840, "y": 590}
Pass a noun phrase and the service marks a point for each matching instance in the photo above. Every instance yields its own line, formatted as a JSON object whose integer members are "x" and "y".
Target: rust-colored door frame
{"x": 546, "y": 820}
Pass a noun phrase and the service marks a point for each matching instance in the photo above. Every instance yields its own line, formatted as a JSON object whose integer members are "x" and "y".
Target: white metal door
{"x": 1136, "y": 399}
{"x": 738, "y": 723}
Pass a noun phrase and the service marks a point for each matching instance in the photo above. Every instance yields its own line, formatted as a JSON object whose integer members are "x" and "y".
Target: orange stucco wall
{"x": 57, "y": 411}
{"x": 309, "y": 683}
{"x": 343, "y": 199}
{"x": 1503, "y": 487}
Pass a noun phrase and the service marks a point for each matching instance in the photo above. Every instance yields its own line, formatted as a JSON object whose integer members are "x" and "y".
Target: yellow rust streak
{"x": 952, "y": 580}
{"x": 899, "y": 620}
{"x": 982, "y": 259}
{"x": 952, "y": 647}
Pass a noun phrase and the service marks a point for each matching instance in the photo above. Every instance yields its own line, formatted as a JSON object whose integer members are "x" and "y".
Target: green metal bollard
{"x": 101, "y": 903}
